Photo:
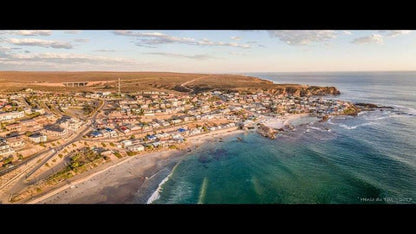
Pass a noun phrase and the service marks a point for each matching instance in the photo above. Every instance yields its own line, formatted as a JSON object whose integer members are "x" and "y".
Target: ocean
{"x": 366, "y": 159}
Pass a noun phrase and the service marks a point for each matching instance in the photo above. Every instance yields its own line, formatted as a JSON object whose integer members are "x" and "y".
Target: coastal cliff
{"x": 299, "y": 90}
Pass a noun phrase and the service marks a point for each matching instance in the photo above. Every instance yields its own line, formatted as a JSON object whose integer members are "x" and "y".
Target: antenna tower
{"x": 119, "y": 87}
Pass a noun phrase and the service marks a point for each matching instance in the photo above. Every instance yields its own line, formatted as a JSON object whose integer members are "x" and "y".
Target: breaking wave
{"x": 156, "y": 194}
{"x": 356, "y": 126}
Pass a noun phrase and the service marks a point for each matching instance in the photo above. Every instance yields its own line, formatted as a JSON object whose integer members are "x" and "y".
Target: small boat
{"x": 239, "y": 138}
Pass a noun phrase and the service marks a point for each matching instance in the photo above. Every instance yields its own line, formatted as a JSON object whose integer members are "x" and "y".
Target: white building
{"x": 5, "y": 149}
{"x": 135, "y": 148}
{"x": 38, "y": 138}
{"x": 11, "y": 115}
{"x": 126, "y": 143}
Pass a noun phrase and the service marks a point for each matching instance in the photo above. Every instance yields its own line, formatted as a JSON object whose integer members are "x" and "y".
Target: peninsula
{"x": 59, "y": 129}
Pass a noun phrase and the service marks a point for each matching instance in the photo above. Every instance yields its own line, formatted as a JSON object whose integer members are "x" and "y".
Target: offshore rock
{"x": 266, "y": 131}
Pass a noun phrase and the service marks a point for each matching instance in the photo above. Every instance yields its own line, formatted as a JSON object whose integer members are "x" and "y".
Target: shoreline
{"x": 112, "y": 185}
{"x": 281, "y": 122}
{"x": 155, "y": 194}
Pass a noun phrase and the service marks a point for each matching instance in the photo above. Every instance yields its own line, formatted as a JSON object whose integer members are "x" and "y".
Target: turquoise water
{"x": 361, "y": 160}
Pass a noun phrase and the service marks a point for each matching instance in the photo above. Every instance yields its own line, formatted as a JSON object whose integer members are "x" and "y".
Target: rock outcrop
{"x": 266, "y": 131}
{"x": 352, "y": 110}
{"x": 324, "y": 118}
{"x": 302, "y": 90}
{"x": 370, "y": 106}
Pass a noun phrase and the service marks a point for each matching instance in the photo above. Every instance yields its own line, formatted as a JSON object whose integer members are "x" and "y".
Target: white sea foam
{"x": 356, "y": 126}
{"x": 319, "y": 129}
{"x": 361, "y": 113}
{"x": 405, "y": 109}
{"x": 156, "y": 194}
{"x": 203, "y": 191}
{"x": 372, "y": 118}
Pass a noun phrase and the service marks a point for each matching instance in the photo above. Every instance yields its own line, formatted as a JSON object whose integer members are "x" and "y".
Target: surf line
{"x": 203, "y": 191}
{"x": 156, "y": 194}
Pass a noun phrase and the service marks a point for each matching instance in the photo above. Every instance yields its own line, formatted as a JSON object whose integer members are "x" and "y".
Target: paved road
{"x": 19, "y": 185}
{"x": 24, "y": 162}
{"x": 77, "y": 138}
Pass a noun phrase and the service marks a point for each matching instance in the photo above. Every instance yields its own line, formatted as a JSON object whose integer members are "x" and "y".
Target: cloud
{"x": 29, "y": 32}
{"x": 347, "y": 32}
{"x": 69, "y": 61}
{"x": 373, "y": 38}
{"x": 395, "y": 33}
{"x": 82, "y": 40}
{"x": 105, "y": 50}
{"x": 57, "y": 58}
{"x": 40, "y": 43}
{"x": 4, "y": 51}
{"x": 238, "y": 53}
{"x": 196, "y": 57}
{"x": 235, "y": 38}
{"x": 303, "y": 37}
{"x": 72, "y": 31}
{"x": 68, "y": 58}
{"x": 150, "y": 39}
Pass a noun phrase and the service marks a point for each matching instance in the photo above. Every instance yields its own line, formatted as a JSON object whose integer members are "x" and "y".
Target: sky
{"x": 208, "y": 51}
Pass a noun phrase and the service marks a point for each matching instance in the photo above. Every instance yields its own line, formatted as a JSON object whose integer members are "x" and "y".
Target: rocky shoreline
{"x": 352, "y": 110}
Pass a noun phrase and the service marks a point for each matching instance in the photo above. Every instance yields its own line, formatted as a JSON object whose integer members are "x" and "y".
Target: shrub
{"x": 117, "y": 154}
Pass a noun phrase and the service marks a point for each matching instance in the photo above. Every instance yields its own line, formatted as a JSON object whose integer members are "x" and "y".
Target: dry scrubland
{"x": 131, "y": 81}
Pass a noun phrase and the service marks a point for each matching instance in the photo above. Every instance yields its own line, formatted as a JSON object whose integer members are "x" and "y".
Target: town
{"x": 33, "y": 121}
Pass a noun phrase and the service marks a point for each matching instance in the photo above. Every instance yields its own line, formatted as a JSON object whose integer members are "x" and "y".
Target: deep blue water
{"x": 366, "y": 159}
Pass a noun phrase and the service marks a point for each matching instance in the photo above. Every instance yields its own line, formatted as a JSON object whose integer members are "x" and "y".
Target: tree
{"x": 141, "y": 112}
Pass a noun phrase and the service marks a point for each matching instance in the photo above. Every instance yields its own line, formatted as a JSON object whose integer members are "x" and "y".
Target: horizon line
{"x": 232, "y": 72}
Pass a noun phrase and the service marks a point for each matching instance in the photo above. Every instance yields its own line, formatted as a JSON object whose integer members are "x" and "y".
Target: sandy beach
{"x": 280, "y": 122}
{"x": 130, "y": 181}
